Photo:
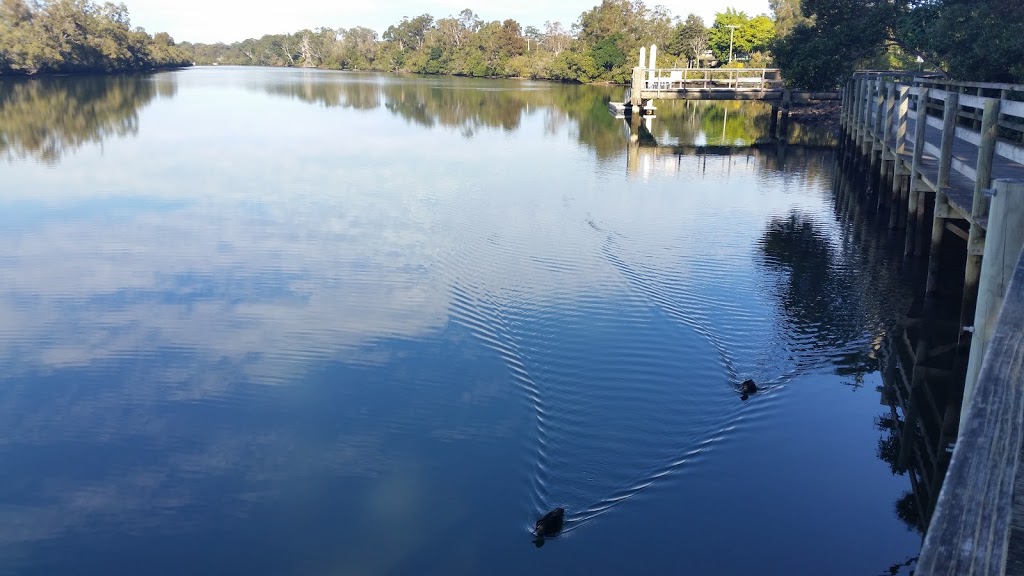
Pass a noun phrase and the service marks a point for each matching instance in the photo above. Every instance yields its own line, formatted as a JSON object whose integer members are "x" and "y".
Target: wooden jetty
{"x": 946, "y": 161}
{"x": 650, "y": 83}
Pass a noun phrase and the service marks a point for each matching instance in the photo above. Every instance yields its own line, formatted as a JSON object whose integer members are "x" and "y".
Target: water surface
{"x": 272, "y": 321}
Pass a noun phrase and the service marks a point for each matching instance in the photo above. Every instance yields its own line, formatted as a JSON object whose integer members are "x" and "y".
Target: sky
{"x": 234, "y": 20}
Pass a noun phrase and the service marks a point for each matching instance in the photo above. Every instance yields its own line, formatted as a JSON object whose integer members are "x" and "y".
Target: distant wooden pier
{"x": 945, "y": 160}
{"x": 650, "y": 83}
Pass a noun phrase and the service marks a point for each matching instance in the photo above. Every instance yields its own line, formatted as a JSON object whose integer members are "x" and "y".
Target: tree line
{"x": 817, "y": 43}
{"x": 602, "y": 46}
{"x": 74, "y": 36}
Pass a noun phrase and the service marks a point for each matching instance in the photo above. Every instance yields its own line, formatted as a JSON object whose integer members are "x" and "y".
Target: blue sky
{"x": 232, "y": 20}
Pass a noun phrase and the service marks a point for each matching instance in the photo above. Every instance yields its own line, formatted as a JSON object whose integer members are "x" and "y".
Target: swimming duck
{"x": 549, "y": 524}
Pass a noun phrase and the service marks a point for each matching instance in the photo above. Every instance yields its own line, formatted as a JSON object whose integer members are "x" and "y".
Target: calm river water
{"x": 267, "y": 321}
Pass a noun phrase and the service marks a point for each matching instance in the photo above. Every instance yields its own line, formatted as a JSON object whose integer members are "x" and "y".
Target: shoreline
{"x": 823, "y": 115}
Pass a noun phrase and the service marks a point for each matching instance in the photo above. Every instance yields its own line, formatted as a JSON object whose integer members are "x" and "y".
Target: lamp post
{"x": 732, "y": 30}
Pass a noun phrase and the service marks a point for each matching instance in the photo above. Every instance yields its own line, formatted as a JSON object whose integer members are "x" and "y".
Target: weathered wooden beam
{"x": 901, "y": 119}
{"x": 1007, "y": 236}
{"x": 935, "y": 252}
{"x": 970, "y": 529}
{"x": 948, "y": 134}
{"x": 637, "y": 87}
{"x": 915, "y": 219}
{"x": 979, "y": 209}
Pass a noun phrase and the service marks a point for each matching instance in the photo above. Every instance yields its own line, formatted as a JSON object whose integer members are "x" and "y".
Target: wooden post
{"x": 879, "y": 119}
{"x": 844, "y": 115}
{"x": 948, "y": 134}
{"x": 979, "y": 208}
{"x": 866, "y": 122}
{"x": 1002, "y": 251}
{"x": 773, "y": 121}
{"x": 938, "y": 230}
{"x": 915, "y": 220}
{"x": 784, "y": 120}
{"x": 901, "y": 119}
{"x": 637, "y": 86}
{"x": 854, "y": 112}
{"x": 904, "y": 201}
{"x": 941, "y": 201}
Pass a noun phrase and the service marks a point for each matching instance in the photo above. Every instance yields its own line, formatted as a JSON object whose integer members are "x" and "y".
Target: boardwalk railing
{"x": 934, "y": 143}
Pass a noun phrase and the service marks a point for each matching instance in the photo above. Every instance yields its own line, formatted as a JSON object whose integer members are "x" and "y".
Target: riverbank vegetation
{"x": 817, "y": 43}
{"x": 77, "y": 36}
{"x": 601, "y": 46}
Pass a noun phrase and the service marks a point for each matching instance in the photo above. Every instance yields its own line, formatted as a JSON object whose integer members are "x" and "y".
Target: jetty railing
{"x": 710, "y": 78}
{"x": 957, "y": 148}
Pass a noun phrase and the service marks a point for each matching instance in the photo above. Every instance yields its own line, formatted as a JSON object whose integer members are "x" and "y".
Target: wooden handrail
{"x": 970, "y": 531}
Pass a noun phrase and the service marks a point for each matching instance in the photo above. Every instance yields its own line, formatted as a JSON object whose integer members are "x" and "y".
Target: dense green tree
{"x": 980, "y": 40}
{"x": 690, "y": 39}
{"x": 787, "y": 16}
{"x": 78, "y": 36}
{"x": 750, "y": 35}
{"x": 356, "y": 49}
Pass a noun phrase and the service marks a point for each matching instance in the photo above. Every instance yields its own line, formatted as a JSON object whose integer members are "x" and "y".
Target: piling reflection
{"x": 921, "y": 361}
{"x": 46, "y": 118}
{"x": 923, "y": 379}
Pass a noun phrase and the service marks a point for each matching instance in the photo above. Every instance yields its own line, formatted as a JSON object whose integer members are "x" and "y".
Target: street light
{"x": 732, "y": 30}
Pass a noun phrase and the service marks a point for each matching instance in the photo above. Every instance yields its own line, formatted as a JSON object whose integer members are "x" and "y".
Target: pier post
{"x": 784, "y": 115}
{"x": 941, "y": 201}
{"x": 866, "y": 122}
{"x": 979, "y": 208}
{"x": 948, "y": 135}
{"x": 915, "y": 212}
{"x": 636, "y": 87}
{"x": 1002, "y": 251}
{"x": 773, "y": 121}
{"x": 901, "y": 119}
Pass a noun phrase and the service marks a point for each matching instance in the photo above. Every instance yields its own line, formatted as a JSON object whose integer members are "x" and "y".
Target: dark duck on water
{"x": 548, "y": 526}
{"x": 747, "y": 388}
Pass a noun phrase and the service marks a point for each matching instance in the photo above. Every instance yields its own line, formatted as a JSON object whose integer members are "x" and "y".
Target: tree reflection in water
{"x": 46, "y": 118}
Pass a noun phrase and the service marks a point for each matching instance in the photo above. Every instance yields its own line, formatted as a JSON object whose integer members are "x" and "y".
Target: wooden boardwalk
{"x": 947, "y": 159}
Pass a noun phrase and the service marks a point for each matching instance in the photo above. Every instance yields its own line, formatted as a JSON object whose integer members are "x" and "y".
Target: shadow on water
{"x": 922, "y": 362}
{"x": 46, "y": 118}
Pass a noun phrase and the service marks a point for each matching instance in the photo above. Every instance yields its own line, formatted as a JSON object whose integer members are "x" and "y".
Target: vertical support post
{"x": 784, "y": 119}
{"x": 862, "y": 94}
{"x": 997, "y": 269}
{"x": 844, "y": 114}
{"x": 854, "y": 99}
{"x": 773, "y": 121}
{"x": 869, "y": 92}
{"x": 903, "y": 95}
{"x": 941, "y": 201}
{"x": 979, "y": 208}
{"x": 948, "y": 134}
{"x": 887, "y": 190}
{"x": 879, "y": 111}
{"x": 890, "y": 109}
{"x": 915, "y": 219}
{"x": 636, "y": 88}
